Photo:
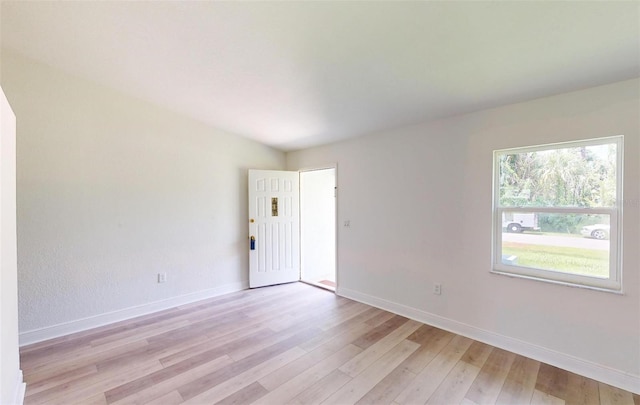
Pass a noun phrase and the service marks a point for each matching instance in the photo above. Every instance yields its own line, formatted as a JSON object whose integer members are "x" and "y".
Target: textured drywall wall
{"x": 113, "y": 191}
{"x": 10, "y": 375}
{"x": 419, "y": 204}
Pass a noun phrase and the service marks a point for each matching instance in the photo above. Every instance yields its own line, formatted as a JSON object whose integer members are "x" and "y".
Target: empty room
{"x": 331, "y": 202}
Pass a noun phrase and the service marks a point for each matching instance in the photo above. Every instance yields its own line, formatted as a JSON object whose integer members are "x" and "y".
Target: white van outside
{"x": 520, "y": 221}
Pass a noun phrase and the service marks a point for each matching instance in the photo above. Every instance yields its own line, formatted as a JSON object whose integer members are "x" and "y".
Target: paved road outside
{"x": 553, "y": 240}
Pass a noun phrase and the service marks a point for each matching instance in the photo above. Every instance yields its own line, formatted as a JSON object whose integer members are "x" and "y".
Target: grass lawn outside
{"x": 543, "y": 233}
{"x": 588, "y": 262}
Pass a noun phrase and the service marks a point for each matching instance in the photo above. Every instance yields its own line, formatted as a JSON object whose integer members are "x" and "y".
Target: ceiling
{"x": 299, "y": 74}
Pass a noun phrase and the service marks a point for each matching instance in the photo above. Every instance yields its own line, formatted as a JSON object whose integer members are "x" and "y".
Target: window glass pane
{"x": 582, "y": 176}
{"x": 565, "y": 243}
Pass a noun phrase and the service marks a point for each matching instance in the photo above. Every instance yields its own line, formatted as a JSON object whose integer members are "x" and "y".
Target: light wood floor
{"x": 291, "y": 344}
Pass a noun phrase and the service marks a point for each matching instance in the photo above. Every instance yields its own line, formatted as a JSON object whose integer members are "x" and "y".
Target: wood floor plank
{"x": 170, "y": 398}
{"x": 166, "y": 373}
{"x": 359, "y": 321}
{"x": 314, "y": 314}
{"x": 141, "y": 333}
{"x": 488, "y": 384}
{"x": 47, "y": 355}
{"x": 389, "y": 387}
{"x": 455, "y": 385}
{"x": 477, "y": 354}
{"x": 81, "y": 389}
{"x": 582, "y": 391}
{"x": 230, "y": 386}
{"x": 379, "y": 332}
{"x": 310, "y": 360}
{"x": 131, "y": 357}
{"x": 614, "y": 396}
{"x": 293, "y": 314}
{"x": 73, "y": 360}
{"x": 323, "y": 389}
{"x": 380, "y": 318}
{"x": 378, "y": 349}
{"x": 346, "y": 333}
{"x": 422, "y": 335}
{"x": 205, "y": 383}
{"x": 146, "y": 391}
{"x": 73, "y": 341}
{"x": 206, "y": 327}
{"x": 97, "y": 399}
{"x": 355, "y": 313}
{"x": 237, "y": 299}
{"x": 246, "y": 351}
{"x": 336, "y": 340}
{"x": 285, "y": 391}
{"x": 213, "y": 342}
{"x": 428, "y": 380}
{"x": 54, "y": 379}
{"x": 282, "y": 334}
{"x": 290, "y": 344}
{"x": 431, "y": 341}
{"x": 246, "y": 395}
{"x": 293, "y": 302}
{"x": 552, "y": 380}
{"x": 520, "y": 382}
{"x": 544, "y": 398}
{"x": 355, "y": 389}
{"x": 439, "y": 339}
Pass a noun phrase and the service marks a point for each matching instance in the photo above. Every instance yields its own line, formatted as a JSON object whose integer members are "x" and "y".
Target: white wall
{"x": 318, "y": 225}
{"x": 11, "y": 385}
{"x": 113, "y": 190}
{"x": 419, "y": 203}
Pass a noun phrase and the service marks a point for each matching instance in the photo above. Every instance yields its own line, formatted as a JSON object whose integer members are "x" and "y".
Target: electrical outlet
{"x": 437, "y": 289}
{"x": 162, "y": 277}
{"x": 347, "y": 223}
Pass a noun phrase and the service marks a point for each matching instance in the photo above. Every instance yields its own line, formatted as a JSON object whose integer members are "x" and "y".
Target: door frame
{"x": 337, "y": 194}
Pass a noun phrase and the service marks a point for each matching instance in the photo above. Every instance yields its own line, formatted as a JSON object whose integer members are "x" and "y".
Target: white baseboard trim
{"x": 576, "y": 365}
{"x": 19, "y": 390}
{"x": 67, "y": 328}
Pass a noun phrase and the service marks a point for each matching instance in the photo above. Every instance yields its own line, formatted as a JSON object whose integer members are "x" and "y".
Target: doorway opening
{"x": 318, "y": 227}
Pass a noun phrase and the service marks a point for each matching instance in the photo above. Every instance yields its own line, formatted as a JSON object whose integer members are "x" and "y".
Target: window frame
{"x": 611, "y": 284}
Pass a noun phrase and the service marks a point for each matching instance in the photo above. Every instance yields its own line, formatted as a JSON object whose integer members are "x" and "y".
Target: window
{"x": 557, "y": 212}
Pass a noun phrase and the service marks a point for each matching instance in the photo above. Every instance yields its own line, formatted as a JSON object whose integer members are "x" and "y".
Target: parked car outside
{"x": 597, "y": 231}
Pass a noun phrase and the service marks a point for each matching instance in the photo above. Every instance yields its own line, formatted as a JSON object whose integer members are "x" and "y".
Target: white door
{"x": 274, "y": 227}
